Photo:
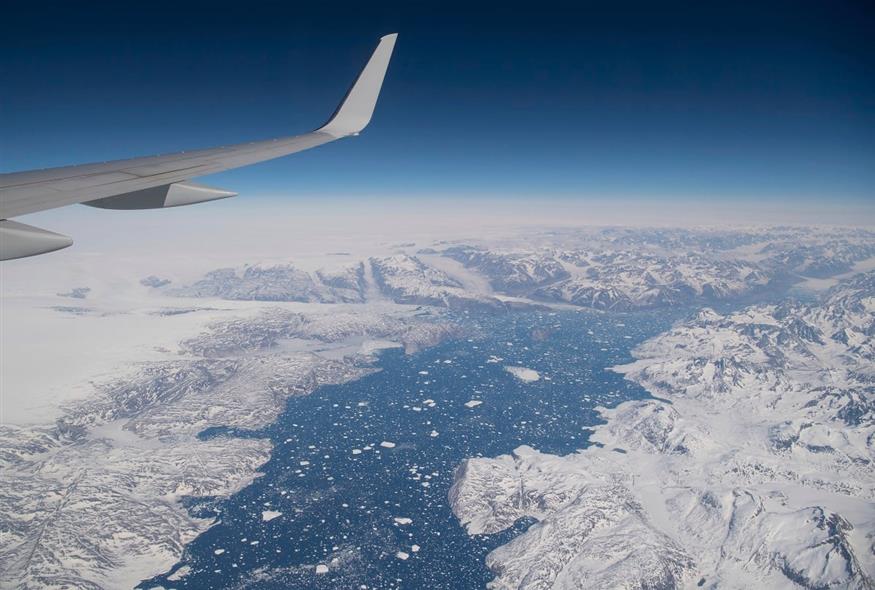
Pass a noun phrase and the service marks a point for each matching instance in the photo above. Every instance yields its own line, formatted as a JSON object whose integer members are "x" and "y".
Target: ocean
{"x": 355, "y": 493}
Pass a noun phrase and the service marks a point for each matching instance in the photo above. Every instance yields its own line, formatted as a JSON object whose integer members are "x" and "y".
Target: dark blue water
{"x": 338, "y": 508}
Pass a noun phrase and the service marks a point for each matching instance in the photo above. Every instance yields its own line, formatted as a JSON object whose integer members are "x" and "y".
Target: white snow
{"x": 268, "y": 515}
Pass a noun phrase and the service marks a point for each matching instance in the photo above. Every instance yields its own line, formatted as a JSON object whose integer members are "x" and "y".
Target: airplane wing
{"x": 161, "y": 181}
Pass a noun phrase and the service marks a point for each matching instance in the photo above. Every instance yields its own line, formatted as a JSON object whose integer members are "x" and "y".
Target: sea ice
{"x": 523, "y": 374}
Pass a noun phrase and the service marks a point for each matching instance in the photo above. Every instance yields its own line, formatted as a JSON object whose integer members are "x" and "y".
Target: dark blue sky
{"x": 740, "y": 100}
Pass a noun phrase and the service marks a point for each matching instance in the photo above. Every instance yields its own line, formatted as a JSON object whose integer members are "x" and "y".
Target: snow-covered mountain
{"x": 612, "y": 269}
{"x": 406, "y": 279}
{"x": 280, "y": 283}
{"x": 626, "y": 280}
{"x": 822, "y": 258}
{"x": 623, "y": 269}
{"x": 753, "y": 466}
{"x": 514, "y": 273}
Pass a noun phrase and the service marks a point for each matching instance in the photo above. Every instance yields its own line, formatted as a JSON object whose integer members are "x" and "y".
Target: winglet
{"x": 354, "y": 113}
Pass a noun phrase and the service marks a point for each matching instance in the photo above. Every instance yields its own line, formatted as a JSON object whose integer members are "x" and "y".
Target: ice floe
{"x": 523, "y": 374}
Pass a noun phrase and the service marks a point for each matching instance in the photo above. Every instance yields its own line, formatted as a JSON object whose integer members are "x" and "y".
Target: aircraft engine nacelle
{"x": 159, "y": 197}
{"x": 18, "y": 240}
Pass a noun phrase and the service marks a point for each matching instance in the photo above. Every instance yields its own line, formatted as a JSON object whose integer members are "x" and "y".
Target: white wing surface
{"x": 160, "y": 181}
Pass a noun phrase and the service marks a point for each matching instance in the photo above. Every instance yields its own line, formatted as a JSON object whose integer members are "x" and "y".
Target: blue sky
{"x": 745, "y": 102}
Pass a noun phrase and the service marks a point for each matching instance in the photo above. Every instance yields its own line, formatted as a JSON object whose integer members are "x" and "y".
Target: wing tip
{"x": 355, "y": 111}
